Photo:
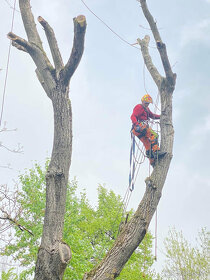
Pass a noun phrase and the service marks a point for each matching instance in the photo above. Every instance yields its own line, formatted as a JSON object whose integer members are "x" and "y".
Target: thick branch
{"x": 148, "y": 60}
{"x": 58, "y": 62}
{"x": 160, "y": 45}
{"x": 40, "y": 58}
{"x": 150, "y": 20}
{"x": 20, "y": 43}
{"x": 29, "y": 23}
{"x": 34, "y": 46}
{"x": 78, "y": 47}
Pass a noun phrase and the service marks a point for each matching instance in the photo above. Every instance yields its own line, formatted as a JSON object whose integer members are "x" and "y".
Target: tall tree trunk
{"x": 135, "y": 230}
{"x": 54, "y": 254}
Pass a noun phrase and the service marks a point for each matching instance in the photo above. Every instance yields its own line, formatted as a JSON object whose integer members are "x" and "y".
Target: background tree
{"x": 89, "y": 231}
{"x": 53, "y": 254}
{"x": 184, "y": 261}
{"x": 9, "y": 275}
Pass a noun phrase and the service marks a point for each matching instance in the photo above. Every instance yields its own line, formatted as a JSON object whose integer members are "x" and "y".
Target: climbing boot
{"x": 158, "y": 154}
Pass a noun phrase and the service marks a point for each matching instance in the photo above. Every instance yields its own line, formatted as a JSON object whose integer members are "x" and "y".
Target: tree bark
{"x": 135, "y": 230}
{"x": 54, "y": 254}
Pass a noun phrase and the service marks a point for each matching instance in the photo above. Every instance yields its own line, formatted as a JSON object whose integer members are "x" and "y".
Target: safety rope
{"x": 115, "y": 33}
{"x": 7, "y": 67}
{"x": 156, "y": 235}
{"x": 11, "y": 6}
{"x": 135, "y": 162}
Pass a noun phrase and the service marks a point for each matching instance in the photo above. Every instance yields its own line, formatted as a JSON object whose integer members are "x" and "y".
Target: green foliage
{"x": 89, "y": 231}
{"x": 9, "y": 275}
{"x": 183, "y": 261}
{"x": 24, "y": 247}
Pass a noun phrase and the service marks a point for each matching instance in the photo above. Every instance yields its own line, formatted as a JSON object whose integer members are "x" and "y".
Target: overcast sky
{"x": 108, "y": 83}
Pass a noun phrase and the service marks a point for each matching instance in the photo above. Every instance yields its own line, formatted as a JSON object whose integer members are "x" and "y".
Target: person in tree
{"x": 140, "y": 119}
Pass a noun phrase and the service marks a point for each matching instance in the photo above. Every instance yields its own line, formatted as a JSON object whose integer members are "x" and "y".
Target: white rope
{"x": 7, "y": 68}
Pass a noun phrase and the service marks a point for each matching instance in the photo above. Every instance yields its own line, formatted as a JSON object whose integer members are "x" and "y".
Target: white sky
{"x": 106, "y": 86}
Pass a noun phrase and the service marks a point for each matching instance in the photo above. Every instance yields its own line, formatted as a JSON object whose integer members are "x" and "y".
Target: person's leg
{"x": 155, "y": 149}
{"x": 153, "y": 137}
{"x": 147, "y": 144}
{"x": 150, "y": 142}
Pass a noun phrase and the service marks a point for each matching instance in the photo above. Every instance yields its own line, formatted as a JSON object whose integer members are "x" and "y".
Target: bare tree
{"x": 135, "y": 230}
{"x": 53, "y": 254}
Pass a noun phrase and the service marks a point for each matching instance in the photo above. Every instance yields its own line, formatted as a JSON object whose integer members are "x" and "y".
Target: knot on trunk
{"x": 52, "y": 261}
{"x": 65, "y": 253}
{"x": 54, "y": 172}
{"x": 149, "y": 182}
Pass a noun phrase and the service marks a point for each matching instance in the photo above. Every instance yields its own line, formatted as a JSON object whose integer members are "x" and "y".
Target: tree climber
{"x": 140, "y": 117}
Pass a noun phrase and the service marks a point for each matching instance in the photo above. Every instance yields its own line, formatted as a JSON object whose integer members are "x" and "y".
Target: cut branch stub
{"x": 81, "y": 20}
{"x": 19, "y": 42}
{"x": 41, "y": 21}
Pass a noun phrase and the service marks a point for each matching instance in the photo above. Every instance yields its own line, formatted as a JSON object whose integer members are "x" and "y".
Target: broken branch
{"x": 19, "y": 43}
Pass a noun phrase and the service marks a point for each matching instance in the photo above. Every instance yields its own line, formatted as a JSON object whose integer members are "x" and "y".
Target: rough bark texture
{"x": 135, "y": 230}
{"x": 54, "y": 254}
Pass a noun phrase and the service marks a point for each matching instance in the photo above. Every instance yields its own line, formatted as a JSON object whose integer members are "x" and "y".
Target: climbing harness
{"x": 137, "y": 154}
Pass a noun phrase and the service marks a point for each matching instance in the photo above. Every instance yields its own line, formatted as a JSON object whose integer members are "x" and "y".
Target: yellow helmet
{"x": 147, "y": 98}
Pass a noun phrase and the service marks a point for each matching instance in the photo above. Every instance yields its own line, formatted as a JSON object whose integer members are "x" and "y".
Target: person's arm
{"x": 153, "y": 116}
{"x": 136, "y": 112}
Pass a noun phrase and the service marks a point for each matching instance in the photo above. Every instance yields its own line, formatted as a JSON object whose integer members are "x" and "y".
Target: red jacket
{"x": 142, "y": 114}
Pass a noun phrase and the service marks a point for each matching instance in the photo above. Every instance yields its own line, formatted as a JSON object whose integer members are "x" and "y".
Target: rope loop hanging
{"x": 132, "y": 163}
